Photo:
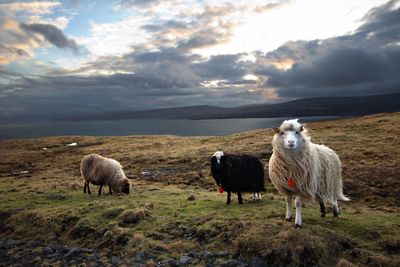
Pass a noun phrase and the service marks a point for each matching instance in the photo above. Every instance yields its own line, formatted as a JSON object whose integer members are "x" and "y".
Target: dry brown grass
{"x": 42, "y": 189}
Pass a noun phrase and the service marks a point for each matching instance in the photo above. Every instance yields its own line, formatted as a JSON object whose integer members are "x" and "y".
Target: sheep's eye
{"x": 297, "y": 132}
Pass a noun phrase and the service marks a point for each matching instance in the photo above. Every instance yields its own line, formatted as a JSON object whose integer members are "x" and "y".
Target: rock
{"x": 185, "y": 260}
{"x": 223, "y": 253}
{"x": 115, "y": 261}
{"x": 71, "y": 253}
{"x": 234, "y": 263}
{"x": 141, "y": 256}
{"x": 257, "y": 261}
{"x": 12, "y": 243}
{"x": 191, "y": 197}
{"x": 207, "y": 255}
{"x": 47, "y": 250}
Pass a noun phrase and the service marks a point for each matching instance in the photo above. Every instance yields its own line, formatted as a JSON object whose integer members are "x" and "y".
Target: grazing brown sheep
{"x": 101, "y": 171}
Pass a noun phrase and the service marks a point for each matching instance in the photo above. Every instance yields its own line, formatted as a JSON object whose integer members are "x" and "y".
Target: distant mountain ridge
{"x": 319, "y": 106}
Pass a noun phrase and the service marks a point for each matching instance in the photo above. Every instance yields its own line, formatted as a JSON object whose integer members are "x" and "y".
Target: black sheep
{"x": 238, "y": 173}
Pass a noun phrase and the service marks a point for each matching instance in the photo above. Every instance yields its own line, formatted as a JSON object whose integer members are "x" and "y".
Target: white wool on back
{"x": 316, "y": 169}
{"x": 100, "y": 170}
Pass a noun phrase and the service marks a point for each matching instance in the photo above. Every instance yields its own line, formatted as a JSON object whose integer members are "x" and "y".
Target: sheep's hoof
{"x": 322, "y": 214}
{"x": 228, "y": 203}
{"x": 288, "y": 219}
{"x": 297, "y": 226}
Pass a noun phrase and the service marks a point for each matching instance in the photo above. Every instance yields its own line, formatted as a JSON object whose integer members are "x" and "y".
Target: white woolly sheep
{"x": 101, "y": 171}
{"x": 301, "y": 168}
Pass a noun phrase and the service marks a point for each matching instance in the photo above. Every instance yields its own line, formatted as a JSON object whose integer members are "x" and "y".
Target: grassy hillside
{"x": 41, "y": 201}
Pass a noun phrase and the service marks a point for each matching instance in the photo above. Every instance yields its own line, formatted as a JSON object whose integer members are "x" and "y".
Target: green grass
{"x": 173, "y": 225}
{"x": 158, "y": 218}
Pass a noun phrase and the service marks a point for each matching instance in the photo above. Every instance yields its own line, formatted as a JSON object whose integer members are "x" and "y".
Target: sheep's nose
{"x": 291, "y": 142}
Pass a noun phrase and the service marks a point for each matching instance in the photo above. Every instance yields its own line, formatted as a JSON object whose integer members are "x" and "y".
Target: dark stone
{"x": 191, "y": 198}
{"x": 12, "y": 243}
{"x": 185, "y": 260}
{"x": 47, "y": 250}
{"x": 234, "y": 263}
{"x": 257, "y": 262}
{"x": 223, "y": 253}
{"x": 72, "y": 253}
{"x": 207, "y": 255}
{"x": 115, "y": 261}
{"x": 52, "y": 256}
{"x": 142, "y": 256}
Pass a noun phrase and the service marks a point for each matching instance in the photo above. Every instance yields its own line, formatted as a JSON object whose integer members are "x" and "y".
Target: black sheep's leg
{"x": 100, "y": 189}
{"x": 88, "y": 189}
{"x": 335, "y": 209}
{"x": 109, "y": 189}
{"x": 240, "y": 198}
{"x": 322, "y": 208}
{"x": 84, "y": 188}
{"x": 228, "y": 199}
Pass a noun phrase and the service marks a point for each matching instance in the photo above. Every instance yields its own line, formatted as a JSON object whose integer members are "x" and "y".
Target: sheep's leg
{"x": 288, "y": 208}
{"x": 240, "y": 198}
{"x": 298, "y": 212}
{"x": 259, "y": 195}
{"x": 228, "y": 200}
{"x": 109, "y": 189}
{"x": 335, "y": 209}
{"x": 254, "y": 195}
{"x": 322, "y": 208}
{"x": 88, "y": 189}
{"x": 84, "y": 188}
{"x": 101, "y": 186}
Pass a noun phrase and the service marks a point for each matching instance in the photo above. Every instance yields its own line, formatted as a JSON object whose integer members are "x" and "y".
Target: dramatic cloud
{"x": 366, "y": 62}
{"x": 52, "y": 34}
{"x": 140, "y": 62}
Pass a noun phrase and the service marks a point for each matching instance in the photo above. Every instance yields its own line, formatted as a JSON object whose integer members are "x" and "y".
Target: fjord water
{"x": 142, "y": 127}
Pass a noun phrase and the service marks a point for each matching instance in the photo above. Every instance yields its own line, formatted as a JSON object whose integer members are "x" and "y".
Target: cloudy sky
{"x": 60, "y": 57}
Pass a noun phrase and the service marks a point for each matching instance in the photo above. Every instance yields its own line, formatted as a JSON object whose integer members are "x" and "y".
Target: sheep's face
{"x": 125, "y": 185}
{"x": 218, "y": 156}
{"x": 290, "y": 135}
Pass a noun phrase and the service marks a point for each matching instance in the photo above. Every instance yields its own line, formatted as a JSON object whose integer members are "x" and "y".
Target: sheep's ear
{"x": 302, "y": 127}
{"x": 275, "y": 130}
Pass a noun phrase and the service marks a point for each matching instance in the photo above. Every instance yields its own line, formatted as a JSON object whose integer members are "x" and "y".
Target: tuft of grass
{"x": 129, "y": 217}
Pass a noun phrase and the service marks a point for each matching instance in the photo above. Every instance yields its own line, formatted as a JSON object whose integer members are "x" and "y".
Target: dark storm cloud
{"x": 222, "y": 67}
{"x": 52, "y": 34}
{"x": 366, "y": 62}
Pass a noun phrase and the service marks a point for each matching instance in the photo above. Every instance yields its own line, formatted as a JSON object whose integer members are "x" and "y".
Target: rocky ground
{"x": 39, "y": 253}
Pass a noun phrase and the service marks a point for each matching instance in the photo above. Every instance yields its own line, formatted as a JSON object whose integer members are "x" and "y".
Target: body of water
{"x": 141, "y": 127}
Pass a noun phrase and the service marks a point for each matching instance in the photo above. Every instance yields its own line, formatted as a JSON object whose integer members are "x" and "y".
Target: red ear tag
{"x": 221, "y": 189}
{"x": 291, "y": 182}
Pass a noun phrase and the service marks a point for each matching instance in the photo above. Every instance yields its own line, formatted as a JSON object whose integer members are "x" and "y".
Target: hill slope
{"x": 43, "y": 208}
{"x": 322, "y": 106}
